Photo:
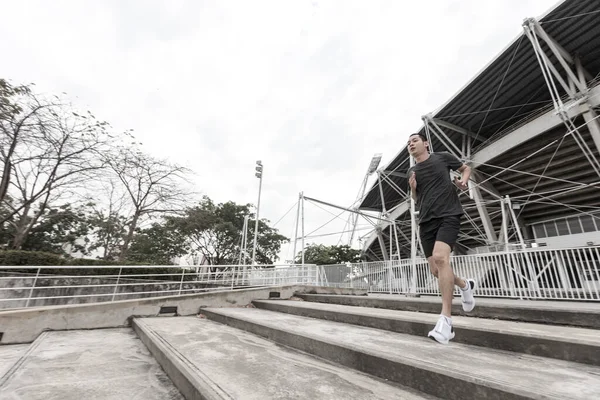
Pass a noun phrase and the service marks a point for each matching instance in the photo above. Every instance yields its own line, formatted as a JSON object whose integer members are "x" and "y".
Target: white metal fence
{"x": 29, "y": 286}
{"x": 572, "y": 274}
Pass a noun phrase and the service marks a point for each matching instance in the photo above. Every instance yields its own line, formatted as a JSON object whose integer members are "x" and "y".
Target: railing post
{"x": 390, "y": 274}
{"x": 318, "y": 272}
{"x": 33, "y": 286}
{"x": 232, "y": 276}
{"x": 413, "y": 248}
{"x": 509, "y": 268}
{"x": 181, "y": 283}
{"x": 533, "y": 276}
{"x": 563, "y": 276}
{"x": 117, "y": 284}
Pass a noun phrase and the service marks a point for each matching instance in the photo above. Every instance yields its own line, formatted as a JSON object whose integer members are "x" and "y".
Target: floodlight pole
{"x": 297, "y": 223}
{"x": 372, "y": 168}
{"x": 258, "y": 174}
{"x": 302, "y": 202}
{"x": 244, "y": 252}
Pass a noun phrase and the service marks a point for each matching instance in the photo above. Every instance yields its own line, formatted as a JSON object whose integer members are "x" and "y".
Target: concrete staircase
{"x": 378, "y": 353}
{"x": 206, "y": 359}
{"x": 320, "y": 347}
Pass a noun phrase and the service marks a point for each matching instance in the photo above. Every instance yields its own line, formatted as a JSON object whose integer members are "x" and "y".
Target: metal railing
{"x": 533, "y": 273}
{"x": 552, "y": 274}
{"x": 34, "y": 286}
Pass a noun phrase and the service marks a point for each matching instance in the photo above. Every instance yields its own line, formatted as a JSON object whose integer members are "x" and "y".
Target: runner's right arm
{"x": 412, "y": 182}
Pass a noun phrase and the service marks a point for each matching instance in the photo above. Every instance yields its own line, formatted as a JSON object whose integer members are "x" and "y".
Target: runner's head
{"x": 417, "y": 144}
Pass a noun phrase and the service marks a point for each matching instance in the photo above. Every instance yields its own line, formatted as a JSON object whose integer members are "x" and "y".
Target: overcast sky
{"x": 311, "y": 88}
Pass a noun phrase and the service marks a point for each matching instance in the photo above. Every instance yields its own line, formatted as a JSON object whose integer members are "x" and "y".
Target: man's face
{"x": 416, "y": 145}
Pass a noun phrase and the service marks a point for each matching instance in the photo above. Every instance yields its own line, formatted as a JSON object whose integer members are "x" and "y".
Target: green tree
{"x": 157, "y": 245}
{"x": 215, "y": 232}
{"x": 324, "y": 255}
{"x": 6, "y": 228}
{"x": 107, "y": 232}
{"x": 60, "y": 230}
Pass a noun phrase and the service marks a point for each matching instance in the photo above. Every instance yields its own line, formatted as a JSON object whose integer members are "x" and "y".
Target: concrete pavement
{"x": 9, "y": 356}
{"x": 98, "y": 364}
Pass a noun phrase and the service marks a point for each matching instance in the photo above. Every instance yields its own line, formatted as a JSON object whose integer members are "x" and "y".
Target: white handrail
{"x": 17, "y": 289}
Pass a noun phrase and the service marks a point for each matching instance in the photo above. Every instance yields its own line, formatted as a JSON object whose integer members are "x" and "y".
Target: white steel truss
{"x": 572, "y": 96}
{"x": 577, "y": 88}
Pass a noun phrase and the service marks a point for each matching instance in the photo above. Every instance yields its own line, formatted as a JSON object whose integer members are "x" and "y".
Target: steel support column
{"x": 442, "y": 137}
{"x": 485, "y": 216}
{"x": 413, "y": 240}
{"x": 384, "y": 252}
{"x": 577, "y": 78}
{"x": 591, "y": 118}
{"x": 458, "y": 129}
{"x": 563, "y": 57}
{"x": 589, "y": 115}
{"x": 384, "y": 211}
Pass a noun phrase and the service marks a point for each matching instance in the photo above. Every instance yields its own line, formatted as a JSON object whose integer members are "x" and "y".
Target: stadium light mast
{"x": 258, "y": 174}
{"x": 372, "y": 168}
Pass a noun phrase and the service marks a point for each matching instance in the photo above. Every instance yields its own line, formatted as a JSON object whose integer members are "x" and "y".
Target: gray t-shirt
{"x": 437, "y": 196}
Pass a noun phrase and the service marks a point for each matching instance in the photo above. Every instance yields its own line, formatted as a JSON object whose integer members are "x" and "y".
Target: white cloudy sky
{"x": 312, "y": 88}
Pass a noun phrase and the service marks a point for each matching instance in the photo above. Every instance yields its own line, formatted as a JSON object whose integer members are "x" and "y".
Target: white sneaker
{"x": 443, "y": 331}
{"x": 468, "y": 301}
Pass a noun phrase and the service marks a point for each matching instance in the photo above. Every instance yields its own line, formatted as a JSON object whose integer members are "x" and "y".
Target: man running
{"x": 440, "y": 212}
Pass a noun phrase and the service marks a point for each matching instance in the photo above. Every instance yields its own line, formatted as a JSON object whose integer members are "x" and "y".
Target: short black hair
{"x": 423, "y": 137}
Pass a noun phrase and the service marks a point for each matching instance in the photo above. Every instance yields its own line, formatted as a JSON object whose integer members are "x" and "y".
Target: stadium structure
{"x": 528, "y": 126}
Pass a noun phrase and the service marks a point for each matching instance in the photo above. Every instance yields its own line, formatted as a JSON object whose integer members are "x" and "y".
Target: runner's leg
{"x": 447, "y": 235}
{"x": 458, "y": 281}
{"x": 441, "y": 261}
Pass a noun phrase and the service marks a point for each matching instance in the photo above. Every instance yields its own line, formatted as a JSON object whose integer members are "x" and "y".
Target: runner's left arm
{"x": 457, "y": 165}
{"x": 465, "y": 174}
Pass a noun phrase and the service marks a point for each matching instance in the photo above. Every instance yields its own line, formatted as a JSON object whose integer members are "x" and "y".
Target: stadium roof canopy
{"x": 505, "y": 123}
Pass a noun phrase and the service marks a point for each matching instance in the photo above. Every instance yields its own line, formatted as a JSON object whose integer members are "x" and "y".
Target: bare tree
{"x": 152, "y": 186}
{"x": 52, "y": 151}
{"x": 17, "y": 116}
{"x": 108, "y": 220}
{"x": 52, "y": 154}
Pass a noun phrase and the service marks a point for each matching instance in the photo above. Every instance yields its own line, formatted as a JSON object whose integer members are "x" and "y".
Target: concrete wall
{"x": 570, "y": 241}
{"x": 48, "y": 287}
{"x": 24, "y": 325}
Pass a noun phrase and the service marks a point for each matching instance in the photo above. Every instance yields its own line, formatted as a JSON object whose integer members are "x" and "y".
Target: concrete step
{"x": 455, "y": 371}
{"x": 95, "y": 364}
{"x": 209, "y": 360}
{"x": 9, "y": 355}
{"x": 585, "y": 315}
{"x": 565, "y": 343}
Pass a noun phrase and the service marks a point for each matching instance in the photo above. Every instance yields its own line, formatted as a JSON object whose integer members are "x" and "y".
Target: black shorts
{"x": 439, "y": 229}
